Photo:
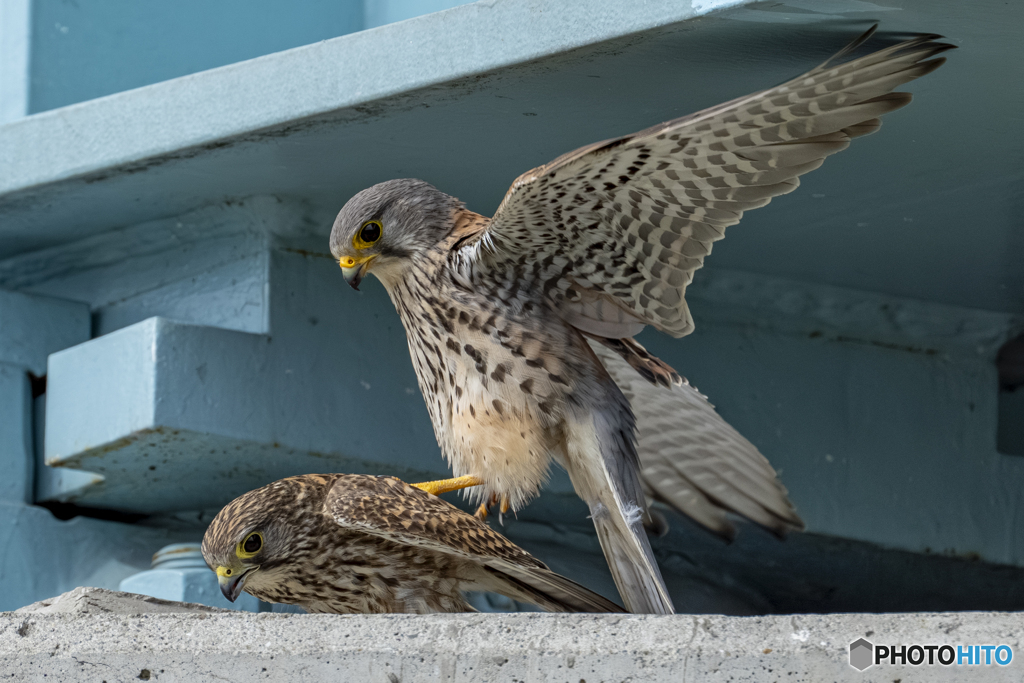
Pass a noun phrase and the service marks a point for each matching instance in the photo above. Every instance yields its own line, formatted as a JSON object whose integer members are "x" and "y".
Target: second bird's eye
{"x": 370, "y": 232}
{"x": 252, "y": 544}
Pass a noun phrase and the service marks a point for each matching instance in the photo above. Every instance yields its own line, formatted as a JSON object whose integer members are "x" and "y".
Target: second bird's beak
{"x": 231, "y": 586}
{"x": 354, "y": 269}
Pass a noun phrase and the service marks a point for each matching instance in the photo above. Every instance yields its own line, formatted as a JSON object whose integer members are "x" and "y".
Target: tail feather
{"x": 632, "y": 563}
{"x": 610, "y": 485}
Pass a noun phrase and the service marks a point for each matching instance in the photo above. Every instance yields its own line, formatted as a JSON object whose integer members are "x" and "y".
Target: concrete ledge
{"x": 175, "y": 417}
{"x": 113, "y": 646}
{"x": 85, "y": 600}
{"x": 310, "y": 80}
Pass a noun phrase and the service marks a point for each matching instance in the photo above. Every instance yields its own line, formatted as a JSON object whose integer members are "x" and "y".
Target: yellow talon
{"x": 504, "y": 504}
{"x": 481, "y": 512}
{"x": 440, "y": 486}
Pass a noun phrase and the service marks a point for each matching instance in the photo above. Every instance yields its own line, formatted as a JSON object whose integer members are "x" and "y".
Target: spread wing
{"x": 696, "y": 462}
{"x": 389, "y": 508}
{"x": 613, "y": 232}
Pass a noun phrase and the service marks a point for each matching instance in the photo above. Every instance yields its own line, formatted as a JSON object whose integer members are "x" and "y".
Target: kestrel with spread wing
{"x": 502, "y": 313}
{"x": 359, "y": 544}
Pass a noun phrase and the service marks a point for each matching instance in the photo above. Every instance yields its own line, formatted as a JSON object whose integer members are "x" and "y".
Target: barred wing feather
{"x": 613, "y": 232}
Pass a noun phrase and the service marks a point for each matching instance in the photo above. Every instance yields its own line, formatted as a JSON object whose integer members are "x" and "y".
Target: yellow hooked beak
{"x": 232, "y": 580}
{"x": 355, "y": 268}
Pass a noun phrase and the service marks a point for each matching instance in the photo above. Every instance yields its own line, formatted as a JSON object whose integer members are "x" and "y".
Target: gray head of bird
{"x": 385, "y": 228}
{"x": 253, "y": 539}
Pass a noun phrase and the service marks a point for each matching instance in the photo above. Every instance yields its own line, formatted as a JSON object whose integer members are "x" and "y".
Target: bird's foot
{"x": 485, "y": 508}
{"x": 440, "y": 486}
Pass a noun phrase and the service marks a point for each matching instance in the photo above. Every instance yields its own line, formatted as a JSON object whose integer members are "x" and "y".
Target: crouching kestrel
{"x": 501, "y": 313}
{"x": 349, "y": 543}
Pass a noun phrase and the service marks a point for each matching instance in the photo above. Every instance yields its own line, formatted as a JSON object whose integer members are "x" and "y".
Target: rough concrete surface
{"x": 85, "y": 600}
{"x": 104, "y": 636}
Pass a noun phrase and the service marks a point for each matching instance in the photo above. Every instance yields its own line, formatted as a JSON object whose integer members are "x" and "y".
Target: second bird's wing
{"x": 391, "y": 509}
{"x": 694, "y": 461}
{"x": 613, "y": 232}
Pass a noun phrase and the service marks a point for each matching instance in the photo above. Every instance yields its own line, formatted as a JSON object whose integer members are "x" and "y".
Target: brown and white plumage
{"x": 627, "y": 221}
{"x": 347, "y": 543}
{"x": 596, "y": 245}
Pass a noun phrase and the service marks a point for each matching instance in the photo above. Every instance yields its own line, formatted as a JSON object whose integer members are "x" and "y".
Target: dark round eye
{"x": 252, "y": 543}
{"x": 370, "y": 232}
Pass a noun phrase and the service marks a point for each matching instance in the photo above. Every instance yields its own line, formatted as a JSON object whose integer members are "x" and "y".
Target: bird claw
{"x": 485, "y": 507}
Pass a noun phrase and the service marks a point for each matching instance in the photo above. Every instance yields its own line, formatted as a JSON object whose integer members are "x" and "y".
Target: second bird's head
{"x": 386, "y": 227}
{"x": 254, "y": 543}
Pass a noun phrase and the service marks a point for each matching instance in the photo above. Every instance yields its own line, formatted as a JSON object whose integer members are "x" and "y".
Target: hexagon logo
{"x": 862, "y": 654}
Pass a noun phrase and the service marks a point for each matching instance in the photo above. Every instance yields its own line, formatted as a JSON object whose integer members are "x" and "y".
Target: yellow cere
{"x": 353, "y": 261}
{"x": 223, "y": 571}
